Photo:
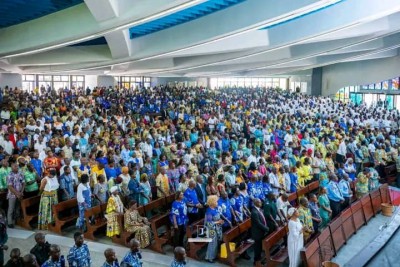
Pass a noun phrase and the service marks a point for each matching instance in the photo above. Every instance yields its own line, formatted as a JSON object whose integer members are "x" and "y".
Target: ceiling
{"x": 198, "y": 38}
{"x": 18, "y": 11}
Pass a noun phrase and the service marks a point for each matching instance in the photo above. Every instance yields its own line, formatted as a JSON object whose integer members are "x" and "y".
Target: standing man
{"x": 345, "y": 189}
{"x": 162, "y": 183}
{"x": 201, "y": 194}
{"x": 192, "y": 202}
{"x": 259, "y": 228}
{"x": 336, "y": 198}
{"x": 16, "y": 187}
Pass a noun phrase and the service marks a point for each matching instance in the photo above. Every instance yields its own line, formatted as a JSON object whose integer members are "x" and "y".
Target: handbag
{"x": 224, "y": 253}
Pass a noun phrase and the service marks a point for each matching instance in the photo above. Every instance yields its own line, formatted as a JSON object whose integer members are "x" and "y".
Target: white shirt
{"x": 282, "y": 205}
{"x": 79, "y": 192}
{"x": 342, "y": 149}
{"x": 52, "y": 184}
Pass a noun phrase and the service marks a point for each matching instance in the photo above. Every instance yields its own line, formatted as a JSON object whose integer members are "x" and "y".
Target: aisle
{"x": 24, "y": 240}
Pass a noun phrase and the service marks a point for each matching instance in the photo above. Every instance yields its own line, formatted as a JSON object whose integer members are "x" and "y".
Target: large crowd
{"x": 228, "y": 155}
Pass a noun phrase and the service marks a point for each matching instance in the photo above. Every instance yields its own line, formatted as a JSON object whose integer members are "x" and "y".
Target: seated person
{"x": 134, "y": 223}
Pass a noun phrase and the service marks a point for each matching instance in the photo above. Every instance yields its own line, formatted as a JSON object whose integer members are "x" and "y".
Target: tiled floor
{"x": 360, "y": 240}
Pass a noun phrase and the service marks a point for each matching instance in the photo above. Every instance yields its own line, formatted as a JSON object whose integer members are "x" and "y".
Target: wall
{"x": 190, "y": 80}
{"x": 104, "y": 80}
{"x": 90, "y": 81}
{"x": 10, "y": 79}
{"x": 301, "y": 78}
{"x": 341, "y": 75}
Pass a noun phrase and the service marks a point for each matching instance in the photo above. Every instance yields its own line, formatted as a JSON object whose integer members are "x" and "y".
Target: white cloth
{"x": 295, "y": 242}
{"x": 52, "y": 184}
{"x": 282, "y": 205}
{"x": 79, "y": 192}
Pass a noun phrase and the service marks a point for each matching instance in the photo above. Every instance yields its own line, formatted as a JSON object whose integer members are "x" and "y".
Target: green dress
{"x": 323, "y": 201}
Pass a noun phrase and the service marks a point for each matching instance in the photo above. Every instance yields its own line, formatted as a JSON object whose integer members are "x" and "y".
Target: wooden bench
{"x": 100, "y": 221}
{"x": 302, "y": 192}
{"x": 237, "y": 234}
{"x": 275, "y": 253}
{"x": 348, "y": 223}
{"x": 376, "y": 201}
{"x": 153, "y": 208}
{"x": 311, "y": 255}
{"x": 292, "y": 197}
{"x": 61, "y": 219}
{"x": 30, "y": 208}
{"x": 390, "y": 174}
{"x": 161, "y": 237}
{"x": 367, "y": 207}
{"x": 124, "y": 238}
{"x": 169, "y": 199}
{"x": 326, "y": 245}
{"x": 338, "y": 237}
{"x": 313, "y": 186}
{"x": 385, "y": 196}
{"x": 191, "y": 232}
{"x": 358, "y": 214}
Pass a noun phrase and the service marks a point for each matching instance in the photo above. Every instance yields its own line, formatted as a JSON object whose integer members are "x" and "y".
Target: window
{"x": 28, "y": 82}
{"x": 395, "y": 84}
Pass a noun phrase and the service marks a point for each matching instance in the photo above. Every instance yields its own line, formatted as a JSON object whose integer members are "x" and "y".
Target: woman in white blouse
{"x": 295, "y": 238}
{"x": 48, "y": 190}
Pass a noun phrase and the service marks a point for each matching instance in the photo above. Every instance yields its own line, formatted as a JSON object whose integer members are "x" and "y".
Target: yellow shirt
{"x": 162, "y": 182}
{"x": 95, "y": 173}
{"x": 304, "y": 174}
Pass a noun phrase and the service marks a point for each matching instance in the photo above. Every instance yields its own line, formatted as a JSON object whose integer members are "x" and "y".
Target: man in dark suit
{"x": 201, "y": 194}
{"x": 259, "y": 228}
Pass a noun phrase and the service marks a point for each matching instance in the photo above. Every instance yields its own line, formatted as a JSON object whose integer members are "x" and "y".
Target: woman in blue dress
{"x": 84, "y": 198}
{"x": 213, "y": 224}
{"x": 145, "y": 195}
{"x": 179, "y": 219}
{"x": 245, "y": 195}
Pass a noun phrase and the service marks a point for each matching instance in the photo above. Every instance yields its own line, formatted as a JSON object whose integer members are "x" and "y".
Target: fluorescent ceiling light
{"x": 274, "y": 21}
{"x": 362, "y": 21}
{"x": 102, "y": 33}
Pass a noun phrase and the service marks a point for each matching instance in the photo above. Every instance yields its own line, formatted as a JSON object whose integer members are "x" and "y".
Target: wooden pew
{"x": 358, "y": 214}
{"x": 100, "y": 221}
{"x": 61, "y": 219}
{"x": 326, "y": 245}
{"x": 348, "y": 223}
{"x": 302, "y": 192}
{"x": 237, "y": 234}
{"x": 313, "y": 186}
{"x": 274, "y": 252}
{"x": 124, "y": 238}
{"x": 390, "y": 174}
{"x": 30, "y": 208}
{"x": 161, "y": 237}
{"x": 385, "y": 196}
{"x": 169, "y": 199}
{"x": 191, "y": 232}
{"x": 376, "y": 201}
{"x": 310, "y": 254}
{"x": 153, "y": 209}
{"x": 337, "y": 233}
{"x": 367, "y": 207}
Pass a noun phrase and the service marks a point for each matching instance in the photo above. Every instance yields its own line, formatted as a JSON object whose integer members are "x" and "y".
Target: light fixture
{"x": 102, "y": 33}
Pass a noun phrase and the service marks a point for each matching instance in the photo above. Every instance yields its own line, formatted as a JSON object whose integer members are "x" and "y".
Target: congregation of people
{"x": 227, "y": 154}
